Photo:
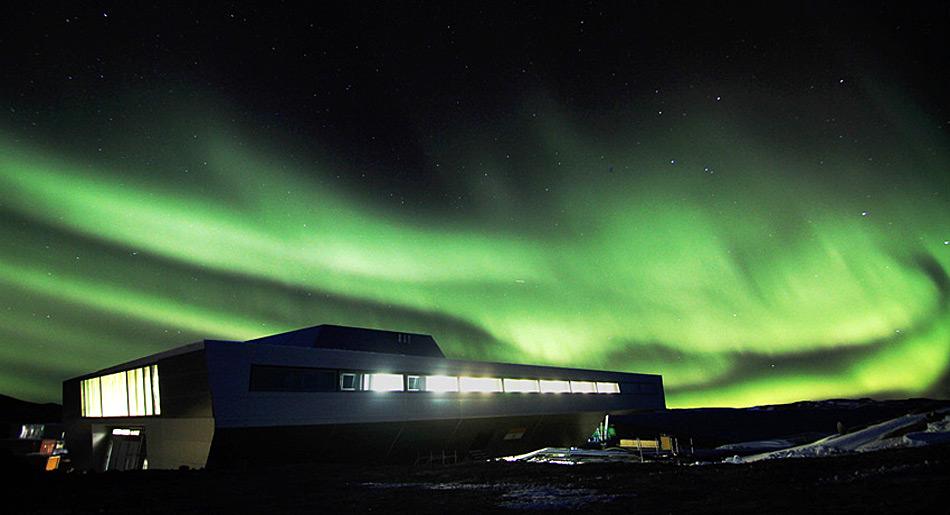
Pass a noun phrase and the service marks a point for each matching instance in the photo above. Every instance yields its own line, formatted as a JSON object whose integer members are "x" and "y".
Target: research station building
{"x": 332, "y": 393}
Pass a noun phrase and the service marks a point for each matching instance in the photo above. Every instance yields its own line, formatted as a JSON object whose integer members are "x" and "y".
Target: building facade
{"x": 332, "y": 393}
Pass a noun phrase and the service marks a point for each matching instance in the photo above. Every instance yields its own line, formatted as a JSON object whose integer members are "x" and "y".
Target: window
{"x": 415, "y": 383}
{"x": 480, "y": 384}
{"x": 366, "y": 382}
{"x": 350, "y": 381}
{"x": 266, "y": 378}
{"x": 608, "y": 387}
{"x": 383, "y": 382}
{"x": 555, "y": 386}
{"x": 273, "y": 378}
{"x": 583, "y": 387}
{"x": 441, "y": 384}
{"x": 115, "y": 395}
{"x": 32, "y": 431}
{"x": 91, "y": 397}
{"x": 130, "y": 393}
{"x": 521, "y": 385}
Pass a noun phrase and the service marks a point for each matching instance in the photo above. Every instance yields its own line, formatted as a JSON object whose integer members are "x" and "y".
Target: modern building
{"x": 332, "y": 393}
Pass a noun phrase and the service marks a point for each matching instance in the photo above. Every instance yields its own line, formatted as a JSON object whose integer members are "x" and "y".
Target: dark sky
{"x": 748, "y": 198}
{"x": 380, "y": 83}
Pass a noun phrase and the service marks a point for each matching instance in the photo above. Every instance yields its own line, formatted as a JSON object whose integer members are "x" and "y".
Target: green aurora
{"x": 737, "y": 266}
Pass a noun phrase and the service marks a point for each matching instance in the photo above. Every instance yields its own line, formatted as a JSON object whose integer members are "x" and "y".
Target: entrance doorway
{"x": 126, "y": 449}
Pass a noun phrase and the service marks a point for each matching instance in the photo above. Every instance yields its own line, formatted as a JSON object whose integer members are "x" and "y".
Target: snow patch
{"x": 890, "y": 434}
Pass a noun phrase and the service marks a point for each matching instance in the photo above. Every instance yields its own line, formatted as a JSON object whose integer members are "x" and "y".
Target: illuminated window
{"x": 47, "y": 447}
{"x": 115, "y": 395}
{"x": 382, "y": 382}
{"x": 583, "y": 387}
{"x": 147, "y": 383}
{"x": 555, "y": 386}
{"x": 608, "y": 388}
{"x": 480, "y": 384}
{"x": 131, "y": 393}
{"x": 32, "y": 431}
{"x": 136, "y": 387}
{"x": 91, "y": 397}
{"x": 156, "y": 398}
{"x": 521, "y": 385}
{"x": 441, "y": 384}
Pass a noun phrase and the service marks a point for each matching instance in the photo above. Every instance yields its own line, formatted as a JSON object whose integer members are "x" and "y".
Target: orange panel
{"x": 52, "y": 463}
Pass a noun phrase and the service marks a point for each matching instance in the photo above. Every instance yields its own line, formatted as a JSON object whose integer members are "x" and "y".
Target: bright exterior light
{"x": 383, "y": 382}
{"x": 521, "y": 385}
{"x": 555, "y": 386}
{"x": 442, "y": 384}
{"x": 480, "y": 384}
{"x": 583, "y": 387}
{"x": 608, "y": 388}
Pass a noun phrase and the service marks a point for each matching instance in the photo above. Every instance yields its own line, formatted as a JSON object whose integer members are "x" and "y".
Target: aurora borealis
{"x": 600, "y": 194}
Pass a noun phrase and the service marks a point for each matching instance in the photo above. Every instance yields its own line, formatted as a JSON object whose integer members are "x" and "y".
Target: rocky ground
{"x": 894, "y": 481}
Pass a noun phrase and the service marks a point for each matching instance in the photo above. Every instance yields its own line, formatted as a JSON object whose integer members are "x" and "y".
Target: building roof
{"x": 327, "y": 336}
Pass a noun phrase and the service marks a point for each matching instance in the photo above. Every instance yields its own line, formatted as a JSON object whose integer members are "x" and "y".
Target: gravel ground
{"x": 899, "y": 481}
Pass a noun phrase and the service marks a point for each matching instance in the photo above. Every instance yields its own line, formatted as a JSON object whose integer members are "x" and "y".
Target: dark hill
{"x": 14, "y": 410}
{"x": 710, "y": 427}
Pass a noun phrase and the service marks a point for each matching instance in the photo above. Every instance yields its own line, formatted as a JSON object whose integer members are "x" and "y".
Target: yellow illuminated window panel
{"x": 130, "y": 393}
{"x": 156, "y": 398}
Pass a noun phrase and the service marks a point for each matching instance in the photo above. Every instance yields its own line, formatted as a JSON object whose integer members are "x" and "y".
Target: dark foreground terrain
{"x": 898, "y": 481}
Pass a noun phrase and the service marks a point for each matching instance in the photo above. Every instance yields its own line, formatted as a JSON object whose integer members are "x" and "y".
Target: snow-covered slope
{"x": 913, "y": 430}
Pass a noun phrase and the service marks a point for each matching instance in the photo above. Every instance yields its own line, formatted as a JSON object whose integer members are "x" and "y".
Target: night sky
{"x": 753, "y": 202}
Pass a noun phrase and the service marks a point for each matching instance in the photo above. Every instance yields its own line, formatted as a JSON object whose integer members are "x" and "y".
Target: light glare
{"x": 383, "y": 382}
{"x": 608, "y": 388}
{"x": 555, "y": 386}
{"x": 521, "y": 385}
{"x": 442, "y": 384}
{"x": 583, "y": 387}
{"x": 480, "y": 384}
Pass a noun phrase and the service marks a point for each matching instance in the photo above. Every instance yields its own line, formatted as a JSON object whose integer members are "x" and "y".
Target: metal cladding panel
{"x": 380, "y": 362}
{"x": 72, "y": 399}
{"x": 356, "y": 339}
{"x": 185, "y": 392}
{"x": 235, "y": 406}
{"x": 228, "y": 375}
{"x": 147, "y": 360}
{"x": 399, "y": 442}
